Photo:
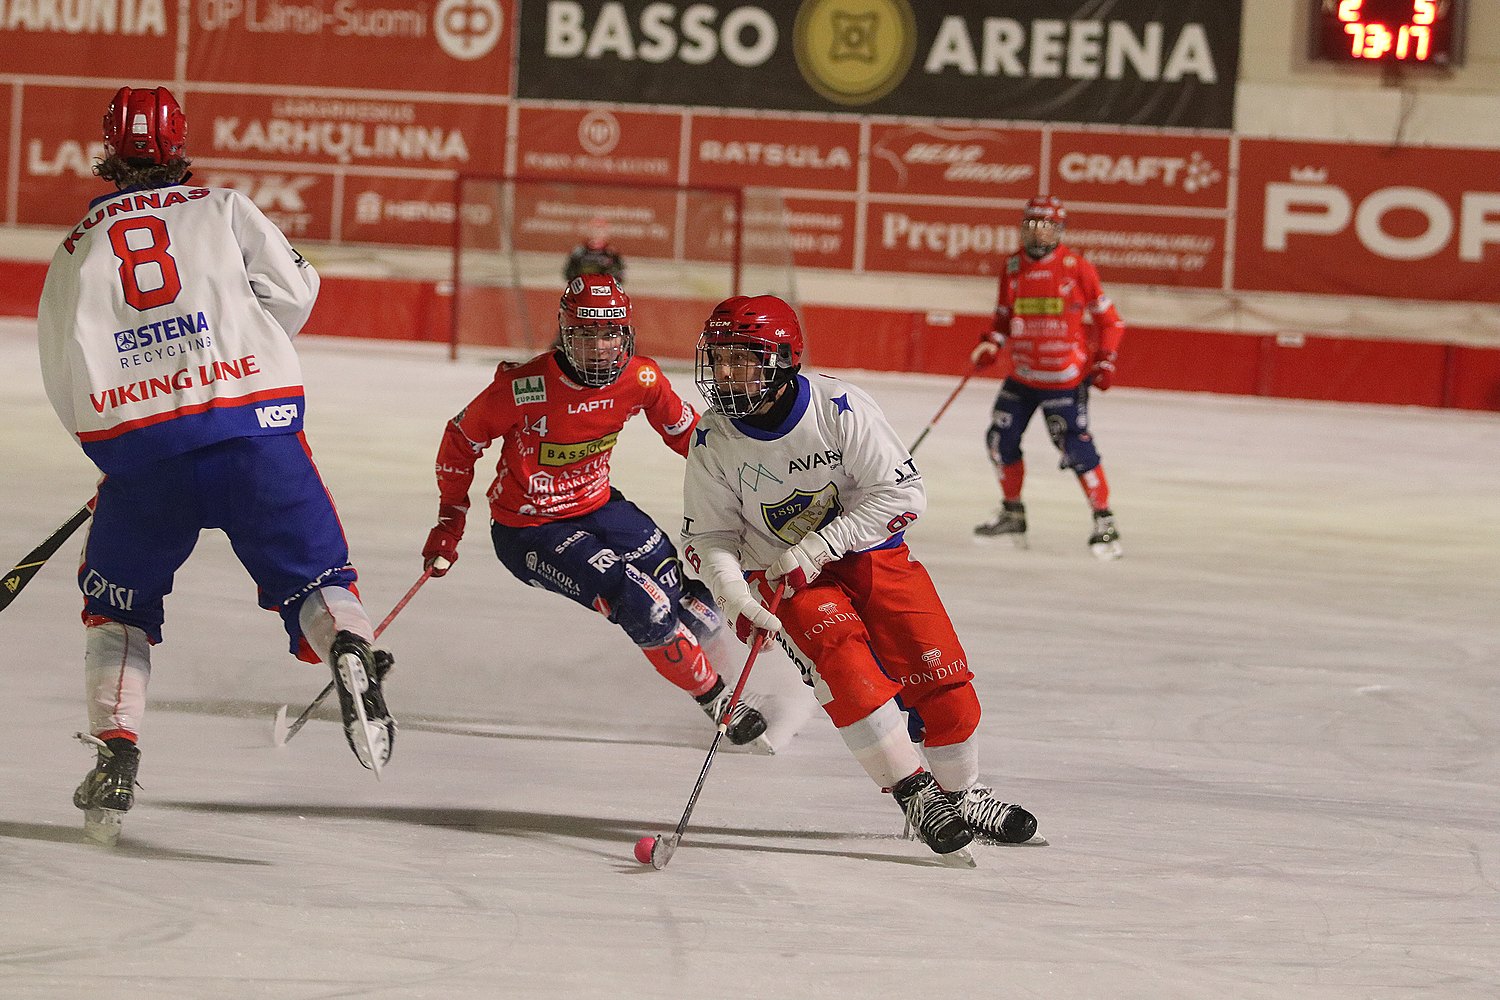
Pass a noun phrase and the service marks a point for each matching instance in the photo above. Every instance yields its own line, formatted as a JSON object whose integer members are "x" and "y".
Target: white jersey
{"x": 166, "y": 321}
{"x": 834, "y": 466}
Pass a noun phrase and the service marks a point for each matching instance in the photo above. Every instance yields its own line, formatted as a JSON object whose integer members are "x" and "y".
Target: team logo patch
{"x": 647, "y": 375}
{"x": 531, "y": 389}
{"x": 792, "y": 518}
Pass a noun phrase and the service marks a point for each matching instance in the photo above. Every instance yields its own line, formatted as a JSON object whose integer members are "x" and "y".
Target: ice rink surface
{"x": 1264, "y": 746}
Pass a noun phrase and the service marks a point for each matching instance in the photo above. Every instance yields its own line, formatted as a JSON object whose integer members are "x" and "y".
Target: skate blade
{"x": 1015, "y": 541}
{"x": 279, "y": 727}
{"x": 759, "y": 747}
{"x": 102, "y": 826}
{"x": 663, "y": 849}
{"x": 1106, "y": 551}
{"x": 371, "y": 744}
{"x": 1037, "y": 840}
{"x": 961, "y": 858}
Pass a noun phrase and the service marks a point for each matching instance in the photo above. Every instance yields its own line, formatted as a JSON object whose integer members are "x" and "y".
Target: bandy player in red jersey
{"x": 556, "y": 522}
{"x": 1045, "y": 293}
{"x": 802, "y": 481}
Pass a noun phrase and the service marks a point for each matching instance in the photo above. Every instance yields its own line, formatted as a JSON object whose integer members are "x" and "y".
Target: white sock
{"x": 116, "y": 670}
{"x": 880, "y": 743}
{"x": 956, "y": 767}
{"x": 328, "y": 611}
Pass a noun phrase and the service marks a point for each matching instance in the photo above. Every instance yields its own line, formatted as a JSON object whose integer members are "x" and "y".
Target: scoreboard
{"x": 1389, "y": 32}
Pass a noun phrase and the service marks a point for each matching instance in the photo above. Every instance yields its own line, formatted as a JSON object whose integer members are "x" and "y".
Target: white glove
{"x": 747, "y": 614}
{"x": 801, "y": 563}
{"x": 983, "y": 353}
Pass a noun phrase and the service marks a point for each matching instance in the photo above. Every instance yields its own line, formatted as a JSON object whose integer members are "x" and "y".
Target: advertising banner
{"x": 821, "y": 232}
{"x": 967, "y": 239}
{"x": 403, "y": 211}
{"x": 732, "y": 151}
{"x": 61, "y": 139}
{"x": 1140, "y": 169}
{"x": 426, "y": 134}
{"x": 8, "y": 176}
{"x": 300, "y": 202}
{"x": 1345, "y": 219}
{"x": 1138, "y": 62}
{"x": 599, "y": 144}
{"x": 1150, "y": 249}
{"x": 130, "y": 41}
{"x": 938, "y": 239}
{"x": 446, "y": 46}
{"x": 955, "y": 161}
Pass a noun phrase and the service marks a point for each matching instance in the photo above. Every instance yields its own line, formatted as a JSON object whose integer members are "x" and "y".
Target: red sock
{"x": 1095, "y": 487}
{"x": 1011, "y": 477}
{"x": 682, "y": 662}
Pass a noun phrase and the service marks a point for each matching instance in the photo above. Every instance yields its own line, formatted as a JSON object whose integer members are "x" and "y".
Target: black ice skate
{"x": 1104, "y": 543}
{"x": 933, "y": 817}
{"x": 108, "y": 791}
{"x": 993, "y": 821}
{"x": 357, "y": 672}
{"x": 1009, "y": 522}
{"x": 746, "y": 725}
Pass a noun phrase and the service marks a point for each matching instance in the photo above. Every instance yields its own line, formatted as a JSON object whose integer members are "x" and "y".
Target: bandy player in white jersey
{"x": 165, "y": 330}
{"x": 801, "y": 481}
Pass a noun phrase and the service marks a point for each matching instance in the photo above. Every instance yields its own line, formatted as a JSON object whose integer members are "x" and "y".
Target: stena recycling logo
{"x": 280, "y": 415}
{"x": 467, "y": 29}
{"x": 854, "y": 51}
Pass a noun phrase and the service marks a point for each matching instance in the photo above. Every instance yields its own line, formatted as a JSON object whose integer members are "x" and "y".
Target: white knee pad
{"x": 116, "y": 671}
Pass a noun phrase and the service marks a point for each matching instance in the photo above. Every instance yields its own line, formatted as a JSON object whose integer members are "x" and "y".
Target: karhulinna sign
{"x": 1123, "y": 62}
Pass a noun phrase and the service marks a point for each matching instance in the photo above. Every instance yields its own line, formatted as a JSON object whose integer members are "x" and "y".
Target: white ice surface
{"x": 1265, "y": 746}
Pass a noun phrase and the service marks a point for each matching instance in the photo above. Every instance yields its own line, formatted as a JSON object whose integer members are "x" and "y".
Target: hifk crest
{"x": 790, "y": 519}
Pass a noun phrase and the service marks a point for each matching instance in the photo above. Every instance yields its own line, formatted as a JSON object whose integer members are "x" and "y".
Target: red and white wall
{"x": 1348, "y": 266}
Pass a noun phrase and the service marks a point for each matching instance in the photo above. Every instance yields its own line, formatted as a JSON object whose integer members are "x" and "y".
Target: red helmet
{"x": 763, "y": 332}
{"x": 593, "y": 328}
{"x": 1042, "y": 224}
{"x": 145, "y": 125}
{"x": 1048, "y": 207}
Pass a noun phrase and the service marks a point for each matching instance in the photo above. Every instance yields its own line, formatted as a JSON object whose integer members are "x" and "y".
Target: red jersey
{"x": 557, "y": 436}
{"x": 1041, "y": 310}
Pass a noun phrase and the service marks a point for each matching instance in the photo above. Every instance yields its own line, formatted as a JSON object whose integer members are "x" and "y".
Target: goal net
{"x": 685, "y": 249}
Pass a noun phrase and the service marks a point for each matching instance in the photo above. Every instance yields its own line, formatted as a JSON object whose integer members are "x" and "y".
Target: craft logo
{"x": 854, "y": 51}
{"x": 532, "y": 389}
{"x": 467, "y": 29}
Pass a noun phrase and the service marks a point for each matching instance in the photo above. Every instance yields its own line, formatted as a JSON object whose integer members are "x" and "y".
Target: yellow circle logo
{"x": 854, "y": 51}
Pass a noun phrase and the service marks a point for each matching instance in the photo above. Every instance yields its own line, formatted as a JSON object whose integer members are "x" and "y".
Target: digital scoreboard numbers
{"x": 1389, "y": 32}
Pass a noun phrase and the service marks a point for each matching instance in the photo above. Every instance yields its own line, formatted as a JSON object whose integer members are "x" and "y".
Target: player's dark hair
{"x": 140, "y": 173}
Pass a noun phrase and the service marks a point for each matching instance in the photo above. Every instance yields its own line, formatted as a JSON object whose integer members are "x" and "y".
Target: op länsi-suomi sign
{"x": 1131, "y": 62}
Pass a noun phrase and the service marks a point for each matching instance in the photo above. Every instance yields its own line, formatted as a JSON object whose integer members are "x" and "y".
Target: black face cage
{"x": 743, "y": 389}
{"x": 1032, "y": 240}
{"x": 594, "y": 367}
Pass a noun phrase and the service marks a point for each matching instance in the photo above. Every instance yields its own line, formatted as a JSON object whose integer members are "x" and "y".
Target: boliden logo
{"x": 854, "y": 51}
{"x": 280, "y": 415}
